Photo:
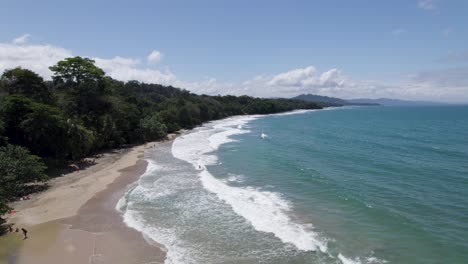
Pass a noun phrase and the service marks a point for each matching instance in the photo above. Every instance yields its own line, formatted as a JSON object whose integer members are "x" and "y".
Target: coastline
{"x": 76, "y": 219}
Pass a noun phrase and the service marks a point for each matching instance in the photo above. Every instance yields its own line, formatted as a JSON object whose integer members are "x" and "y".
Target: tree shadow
{"x": 4, "y": 228}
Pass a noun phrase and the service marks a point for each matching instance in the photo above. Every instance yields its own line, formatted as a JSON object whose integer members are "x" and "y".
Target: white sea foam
{"x": 121, "y": 205}
{"x": 235, "y": 178}
{"x": 175, "y": 253}
{"x": 149, "y": 191}
{"x": 345, "y": 260}
{"x": 265, "y": 211}
{"x": 221, "y": 138}
{"x": 368, "y": 260}
{"x": 151, "y": 167}
{"x": 296, "y": 112}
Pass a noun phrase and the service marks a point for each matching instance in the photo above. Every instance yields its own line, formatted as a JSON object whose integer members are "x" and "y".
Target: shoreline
{"x": 76, "y": 219}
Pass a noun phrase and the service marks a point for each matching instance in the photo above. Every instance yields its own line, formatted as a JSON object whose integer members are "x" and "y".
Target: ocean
{"x": 339, "y": 185}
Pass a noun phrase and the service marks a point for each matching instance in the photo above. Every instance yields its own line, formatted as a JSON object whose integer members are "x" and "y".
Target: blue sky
{"x": 415, "y": 49}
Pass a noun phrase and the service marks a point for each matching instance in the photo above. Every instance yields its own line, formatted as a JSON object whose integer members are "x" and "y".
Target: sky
{"x": 406, "y": 49}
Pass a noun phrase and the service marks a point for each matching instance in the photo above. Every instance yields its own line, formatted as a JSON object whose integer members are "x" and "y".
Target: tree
{"x": 189, "y": 115}
{"x": 44, "y": 129}
{"x": 3, "y": 207}
{"x": 153, "y": 128}
{"x": 76, "y": 70}
{"x": 3, "y": 139}
{"x": 170, "y": 119}
{"x": 18, "y": 167}
{"x": 80, "y": 140}
{"x": 25, "y": 82}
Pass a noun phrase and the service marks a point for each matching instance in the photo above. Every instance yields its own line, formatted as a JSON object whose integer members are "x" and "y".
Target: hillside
{"x": 330, "y": 100}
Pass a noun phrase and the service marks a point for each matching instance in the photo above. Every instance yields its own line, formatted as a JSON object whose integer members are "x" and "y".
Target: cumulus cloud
{"x": 21, "y": 39}
{"x": 304, "y": 80}
{"x": 444, "y": 85}
{"x": 154, "y": 57}
{"x": 309, "y": 78}
{"x": 34, "y": 57}
{"x": 427, "y": 5}
{"x": 39, "y": 58}
{"x": 293, "y": 78}
{"x": 209, "y": 86}
{"x": 126, "y": 69}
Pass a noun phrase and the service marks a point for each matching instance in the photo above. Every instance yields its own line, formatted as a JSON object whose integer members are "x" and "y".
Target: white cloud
{"x": 445, "y": 85}
{"x": 39, "y": 58}
{"x": 308, "y": 77}
{"x": 127, "y": 69}
{"x": 208, "y": 86}
{"x": 427, "y": 5}
{"x": 34, "y": 57}
{"x": 297, "y": 81}
{"x": 450, "y": 85}
{"x": 22, "y": 39}
{"x": 154, "y": 57}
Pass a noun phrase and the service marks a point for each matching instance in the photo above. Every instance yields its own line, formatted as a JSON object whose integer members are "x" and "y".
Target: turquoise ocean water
{"x": 341, "y": 185}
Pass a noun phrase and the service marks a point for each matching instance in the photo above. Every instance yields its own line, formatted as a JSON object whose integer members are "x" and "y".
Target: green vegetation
{"x": 17, "y": 167}
{"x": 83, "y": 111}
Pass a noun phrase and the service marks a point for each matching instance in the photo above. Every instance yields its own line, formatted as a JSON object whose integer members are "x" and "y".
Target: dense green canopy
{"x": 83, "y": 111}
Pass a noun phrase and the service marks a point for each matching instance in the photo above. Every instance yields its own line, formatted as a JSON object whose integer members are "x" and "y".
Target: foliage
{"x": 76, "y": 70}
{"x": 153, "y": 128}
{"x": 17, "y": 168}
{"x": 44, "y": 129}
{"x": 3, "y": 139}
{"x": 83, "y": 111}
{"x": 25, "y": 82}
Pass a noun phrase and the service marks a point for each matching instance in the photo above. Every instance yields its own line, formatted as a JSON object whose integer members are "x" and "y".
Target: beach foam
{"x": 265, "y": 211}
{"x": 175, "y": 254}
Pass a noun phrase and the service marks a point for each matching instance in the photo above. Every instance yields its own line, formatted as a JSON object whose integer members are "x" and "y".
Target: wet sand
{"x": 89, "y": 229}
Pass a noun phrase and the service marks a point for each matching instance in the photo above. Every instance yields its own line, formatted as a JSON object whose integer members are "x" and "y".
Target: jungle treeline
{"x": 81, "y": 111}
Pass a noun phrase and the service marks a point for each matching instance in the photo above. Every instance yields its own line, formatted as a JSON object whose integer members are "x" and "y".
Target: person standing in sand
{"x": 25, "y": 233}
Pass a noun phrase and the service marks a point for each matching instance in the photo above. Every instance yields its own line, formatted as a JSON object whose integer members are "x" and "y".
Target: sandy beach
{"x": 75, "y": 220}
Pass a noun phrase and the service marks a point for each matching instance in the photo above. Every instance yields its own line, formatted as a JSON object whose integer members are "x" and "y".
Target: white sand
{"x": 69, "y": 192}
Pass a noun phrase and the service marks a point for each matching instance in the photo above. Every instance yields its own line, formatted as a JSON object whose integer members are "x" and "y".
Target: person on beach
{"x": 10, "y": 228}
{"x": 25, "y": 233}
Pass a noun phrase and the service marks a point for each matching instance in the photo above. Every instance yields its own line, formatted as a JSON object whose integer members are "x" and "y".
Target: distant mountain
{"x": 319, "y": 98}
{"x": 392, "y": 102}
{"x": 331, "y": 101}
